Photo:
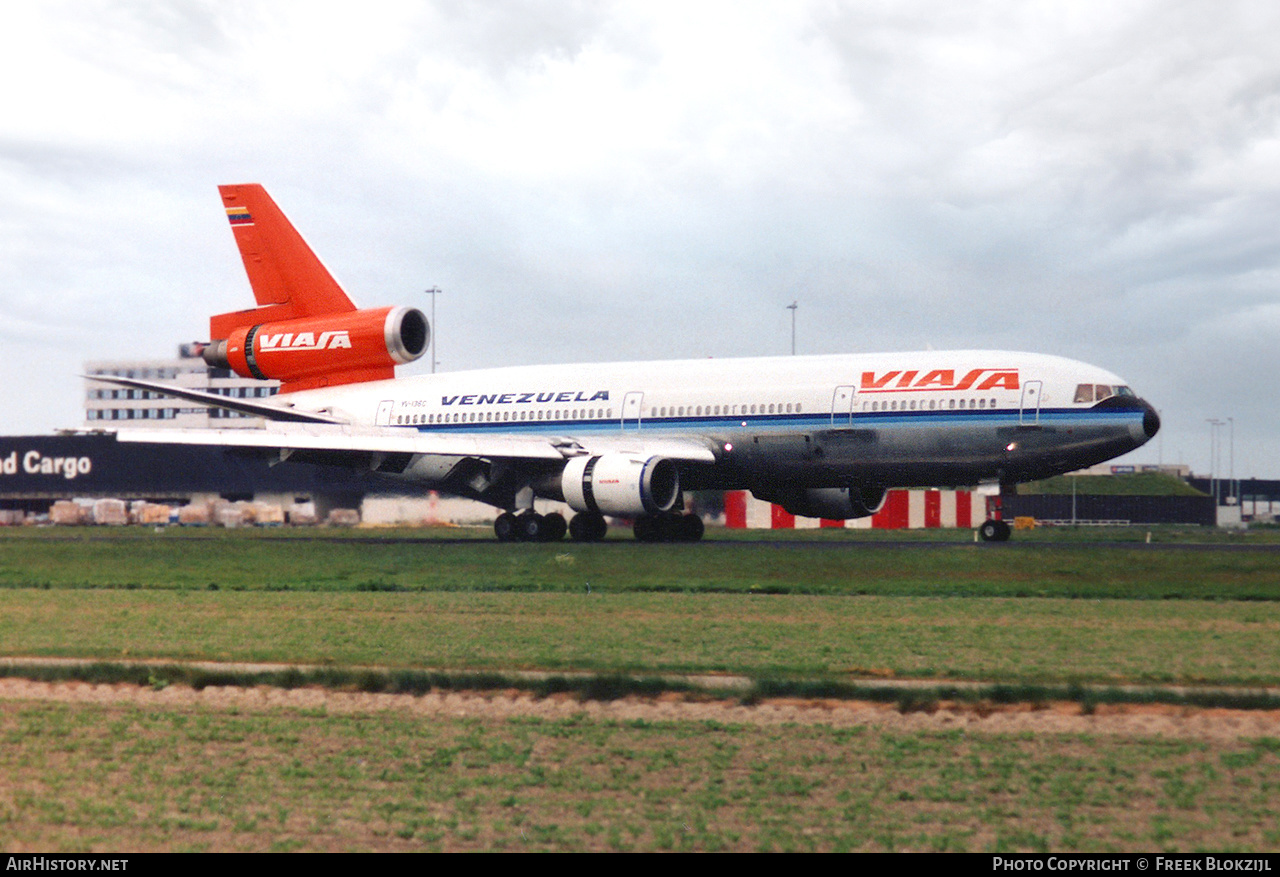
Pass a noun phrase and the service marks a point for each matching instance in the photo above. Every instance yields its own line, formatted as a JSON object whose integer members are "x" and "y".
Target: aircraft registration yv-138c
{"x": 823, "y": 436}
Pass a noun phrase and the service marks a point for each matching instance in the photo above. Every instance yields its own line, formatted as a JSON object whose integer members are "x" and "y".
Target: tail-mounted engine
{"x": 326, "y": 350}
{"x": 620, "y": 484}
{"x": 832, "y": 503}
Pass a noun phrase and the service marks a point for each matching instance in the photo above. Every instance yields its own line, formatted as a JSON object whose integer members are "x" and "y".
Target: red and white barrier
{"x": 902, "y": 510}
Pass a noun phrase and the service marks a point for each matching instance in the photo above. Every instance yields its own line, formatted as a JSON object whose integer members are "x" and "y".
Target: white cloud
{"x": 591, "y": 180}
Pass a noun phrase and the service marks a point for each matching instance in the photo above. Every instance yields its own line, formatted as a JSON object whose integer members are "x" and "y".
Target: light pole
{"x": 792, "y": 307}
{"x": 1214, "y": 423}
{"x": 433, "y": 292}
{"x": 1231, "y": 472}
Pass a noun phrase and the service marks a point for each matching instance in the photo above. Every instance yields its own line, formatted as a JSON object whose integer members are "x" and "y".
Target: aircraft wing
{"x": 288, "y": 429}
{"x": 336, "y": 438}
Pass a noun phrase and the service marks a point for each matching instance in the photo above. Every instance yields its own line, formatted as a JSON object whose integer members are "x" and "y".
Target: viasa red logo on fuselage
{"x": 939, "y": 379}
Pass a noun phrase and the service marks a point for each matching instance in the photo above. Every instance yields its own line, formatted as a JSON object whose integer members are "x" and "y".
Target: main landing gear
{"x": 671, "y": 527}
{"x": 529, "y": 527}
{"x": 588, "y": 528}
{"x": 994, "y": 531}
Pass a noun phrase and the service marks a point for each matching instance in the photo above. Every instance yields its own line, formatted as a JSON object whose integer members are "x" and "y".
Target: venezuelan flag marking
{"x": 239, "y": 216}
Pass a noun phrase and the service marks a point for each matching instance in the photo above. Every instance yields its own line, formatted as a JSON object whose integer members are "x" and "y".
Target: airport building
{"x": 40, "y": 470}
{"x": 106, "y": 405}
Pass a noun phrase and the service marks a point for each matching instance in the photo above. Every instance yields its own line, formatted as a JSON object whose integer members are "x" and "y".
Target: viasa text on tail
{"x": 823, "y": 436}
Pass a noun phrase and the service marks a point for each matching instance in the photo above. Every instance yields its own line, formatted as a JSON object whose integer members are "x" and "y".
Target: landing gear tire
{"x": 691, "y": 528}
{"x": 505, "y": 527}
{"x": 553, "y": 527}
{"x": 646, "y": 529}
{"x": 668, "y": 528}
{"x": 587, "y": 528}
{"x": 994, "y": 531}
{"x": 529, "y": 527}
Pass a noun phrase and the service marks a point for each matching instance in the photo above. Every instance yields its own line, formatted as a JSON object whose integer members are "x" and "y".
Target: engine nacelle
{"x": 324, "y": 351}
{"x": 620, "y": 484}
{"x": 833, "y": 503}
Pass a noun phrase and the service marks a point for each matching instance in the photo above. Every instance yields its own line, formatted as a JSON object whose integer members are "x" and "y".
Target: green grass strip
{"x": 1040, "y": 564}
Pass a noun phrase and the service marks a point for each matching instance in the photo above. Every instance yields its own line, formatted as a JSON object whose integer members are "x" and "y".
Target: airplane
{"x": 822, "y": 436}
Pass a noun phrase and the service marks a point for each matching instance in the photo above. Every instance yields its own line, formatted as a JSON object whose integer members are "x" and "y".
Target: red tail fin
{"x": 288, "y": 280}
{"x": 305, "y": 332}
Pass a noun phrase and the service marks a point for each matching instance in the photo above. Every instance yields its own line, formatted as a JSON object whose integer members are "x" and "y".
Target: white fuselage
{"x": 929, "y": 417}
{"x": 670, "y": 393}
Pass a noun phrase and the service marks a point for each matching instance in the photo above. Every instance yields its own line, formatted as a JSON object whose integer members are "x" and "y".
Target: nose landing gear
{"x": 995, "y": 528}
{"x": 994, "y": 531}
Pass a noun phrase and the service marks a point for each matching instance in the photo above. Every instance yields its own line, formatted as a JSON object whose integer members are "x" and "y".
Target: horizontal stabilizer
{"x": 276, "y": 412}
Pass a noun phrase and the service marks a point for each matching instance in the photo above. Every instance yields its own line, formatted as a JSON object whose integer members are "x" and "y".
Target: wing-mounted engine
{"x": 620, "y": 484}
{"x": 832, "y": 503}
{"x": 325, "y": 350}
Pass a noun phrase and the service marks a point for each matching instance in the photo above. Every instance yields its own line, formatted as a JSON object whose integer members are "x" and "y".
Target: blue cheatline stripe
{"x": 996, "y": 416}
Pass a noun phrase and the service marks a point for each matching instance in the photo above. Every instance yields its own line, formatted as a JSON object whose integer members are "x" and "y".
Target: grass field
{"x": 1035, "y": 613}
{"x": 1051, "y": 609}
{"x": 123, "y": 778}
{"x": 1045, "y": 563}
{"x": 977, "y": 638}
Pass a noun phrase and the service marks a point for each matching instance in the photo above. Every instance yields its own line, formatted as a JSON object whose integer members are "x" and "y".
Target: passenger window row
{"x": 522, "y": 415}
{"x": 724, "y": 410}
{"x": 911, "y": 404}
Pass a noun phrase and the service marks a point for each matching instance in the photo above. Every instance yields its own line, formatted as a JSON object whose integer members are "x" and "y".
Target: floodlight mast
{"x": 433, "y": 292}
{"x": 1214, "y": 423}
{"x": 792, "y": 307}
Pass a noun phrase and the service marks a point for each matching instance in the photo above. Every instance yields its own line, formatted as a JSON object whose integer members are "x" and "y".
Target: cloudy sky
{"x": 589, "y": 181}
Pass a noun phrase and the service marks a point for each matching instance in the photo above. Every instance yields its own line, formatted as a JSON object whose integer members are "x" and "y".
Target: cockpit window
{"x": 1098, "y": 392}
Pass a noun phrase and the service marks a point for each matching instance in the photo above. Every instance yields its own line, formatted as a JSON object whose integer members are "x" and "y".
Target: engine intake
{"x": 324, "y": 351}
{"x": 620, "y": 484}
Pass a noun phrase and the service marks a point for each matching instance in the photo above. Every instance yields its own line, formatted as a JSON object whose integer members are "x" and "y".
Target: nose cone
{"x": 1150, "y": 420}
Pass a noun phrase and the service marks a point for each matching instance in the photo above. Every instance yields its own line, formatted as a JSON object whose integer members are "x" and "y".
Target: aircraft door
{"x": 384, "y": 413}
{"x": 632, "y": 405}
{"x": 842, "y": 406}
{"x": 1029, "y": 415}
